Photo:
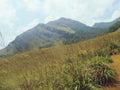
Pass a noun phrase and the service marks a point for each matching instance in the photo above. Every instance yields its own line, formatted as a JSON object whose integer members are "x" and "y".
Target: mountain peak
{"x": 63, "y": 18}
{"x": 66, "y": 22}
{"x": 60, "y": 20}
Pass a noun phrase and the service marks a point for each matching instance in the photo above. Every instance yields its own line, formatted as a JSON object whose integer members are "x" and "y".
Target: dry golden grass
{"x": 48, "y": 63}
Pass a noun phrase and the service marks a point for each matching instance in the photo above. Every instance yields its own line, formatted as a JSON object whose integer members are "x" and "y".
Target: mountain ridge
{"x": 58, "y": 32}
{"x": 105, "y": 25}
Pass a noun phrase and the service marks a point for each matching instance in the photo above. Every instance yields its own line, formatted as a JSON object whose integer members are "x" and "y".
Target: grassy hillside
{"x": 80, "y": 66}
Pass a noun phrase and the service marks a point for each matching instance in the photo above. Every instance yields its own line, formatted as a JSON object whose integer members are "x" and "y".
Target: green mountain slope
{"x": 114, "y": 27}
{"x": 58, "y": 32}
{"x": 77, "y": 30}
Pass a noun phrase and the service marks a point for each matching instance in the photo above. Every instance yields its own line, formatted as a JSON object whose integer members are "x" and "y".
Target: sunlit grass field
{"x": 79, "y": 66}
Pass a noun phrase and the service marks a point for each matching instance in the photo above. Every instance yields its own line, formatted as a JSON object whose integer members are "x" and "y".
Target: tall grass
{"x": 73, "y": 74}
{"x": 81, "y": 66}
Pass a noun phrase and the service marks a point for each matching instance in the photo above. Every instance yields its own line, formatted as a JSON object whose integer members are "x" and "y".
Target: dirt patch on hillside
{"x": 116, "y": 66}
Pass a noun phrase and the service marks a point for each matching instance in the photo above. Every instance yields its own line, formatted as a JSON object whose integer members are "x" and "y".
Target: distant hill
{"x": 105, "y": 25}
{"x": 58, "y": 32}
{"x": 92, "y": 44}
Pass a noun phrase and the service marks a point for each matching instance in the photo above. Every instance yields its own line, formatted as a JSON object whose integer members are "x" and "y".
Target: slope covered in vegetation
{"x": 114, "y": 27}
{"x": 80, "y": 66}
{"x": 58, "y": 32}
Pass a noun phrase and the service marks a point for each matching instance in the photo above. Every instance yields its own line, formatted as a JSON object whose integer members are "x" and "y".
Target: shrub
{"x": 113, "y": 48}
{"x": 102, "y": 73}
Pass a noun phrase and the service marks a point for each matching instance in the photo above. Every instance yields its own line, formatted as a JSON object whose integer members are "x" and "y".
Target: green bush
{"x": 103, "y": 75}
{"x": 113, "y": 48}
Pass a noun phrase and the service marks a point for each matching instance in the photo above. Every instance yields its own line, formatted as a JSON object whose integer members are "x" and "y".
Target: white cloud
{"x": 7, "y": 18}
{"x": 33, "y": 5}
{"x": 7, "y": 12}
{"x": 116, "y": 14}
{"x": 82, "y": 10}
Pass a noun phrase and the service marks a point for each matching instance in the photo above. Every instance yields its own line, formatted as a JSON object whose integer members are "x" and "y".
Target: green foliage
{"x": 103, "y": 74}
{"x": 113, "y": 48}
{"x": 115, "y": 27}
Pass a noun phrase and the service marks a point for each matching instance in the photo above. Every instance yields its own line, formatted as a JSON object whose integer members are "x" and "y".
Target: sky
{"x": 18, "y": 16}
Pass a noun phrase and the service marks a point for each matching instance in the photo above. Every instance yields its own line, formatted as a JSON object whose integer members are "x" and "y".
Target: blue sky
{"x": 17, "y": 16}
